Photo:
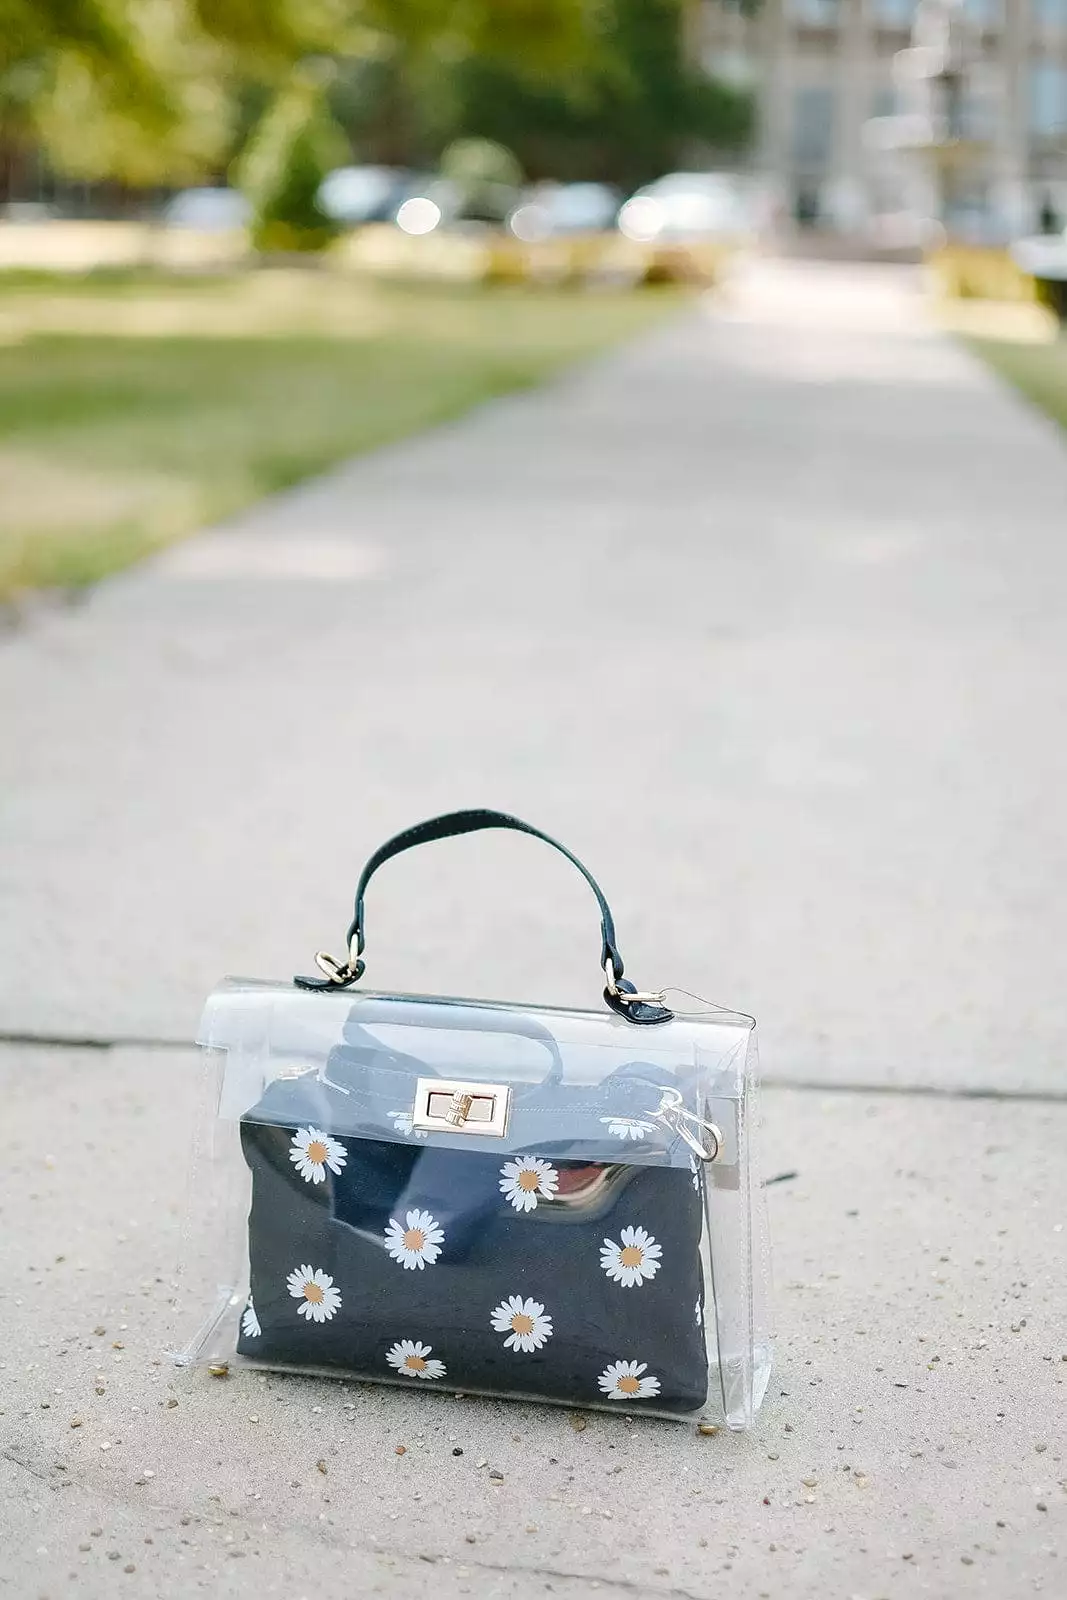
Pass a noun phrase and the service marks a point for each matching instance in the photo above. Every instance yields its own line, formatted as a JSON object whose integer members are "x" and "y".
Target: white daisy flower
{"x": 250, "y": 1322}
{"x": 403, "y": 1123}
{"x": 694, "y": 1167}
{"x": 524, "y": 1322}
{"x": 316, "y": 1289}
{"x": 632, "y": 1261}
{"x": 313, "y": 1151}
{"x": 410, "y": 1357}
{"x": 416, "y": 1243}
{"x": 526, "y": 1180}
{"x": 623, "y": 1381}
{"x": 628, "y": 1127}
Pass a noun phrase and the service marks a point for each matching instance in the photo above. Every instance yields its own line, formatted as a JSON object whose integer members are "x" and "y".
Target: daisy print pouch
{"x": 470, "y": 1196}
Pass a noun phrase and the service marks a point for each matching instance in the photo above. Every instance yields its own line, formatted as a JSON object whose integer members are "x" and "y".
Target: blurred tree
{"x": 401, "y": 89}
{"x": 268, "y": 34}
{"x": 480, "y": 164}
{"x": 284, "y": 162}
{"x": 485, "y": 174}
{"x": 165, "y": 91}
{"x": 404, "y": 51}
{"x": 33, "y": 33}
{"x": 636, "y": 110}
{"x": 38, "y": 38}
{"x": 129, "y": 90}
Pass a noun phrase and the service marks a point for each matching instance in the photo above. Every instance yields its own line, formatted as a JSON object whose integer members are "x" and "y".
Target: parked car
{"x": 358, "y": 195}
{"x": 1043, "y": 257}
{"x": 210, "y": 210}
{"x": 686, "y": 224}
{"x": 686, "y": 206}
{"x": 555, "y": 210}
{"x": 433, "y": 202}
{"x": 428, "y": 203}
{"x": 29, "y": 211}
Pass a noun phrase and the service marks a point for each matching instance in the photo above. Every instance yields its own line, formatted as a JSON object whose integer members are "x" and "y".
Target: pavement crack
{"x": 27, "y": 1466}
{"x": 341, "y": 1541}
{"x": 926, "y": 1091}
{"x": 92, "y": 1041}
{"x": 562, "y": 1575}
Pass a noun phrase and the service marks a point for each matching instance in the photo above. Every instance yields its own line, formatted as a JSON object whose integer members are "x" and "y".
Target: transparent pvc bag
{"x": 540, "y": 1203}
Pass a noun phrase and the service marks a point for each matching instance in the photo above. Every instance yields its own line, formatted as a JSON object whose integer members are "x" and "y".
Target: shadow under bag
{"x": 470, "y": 1196}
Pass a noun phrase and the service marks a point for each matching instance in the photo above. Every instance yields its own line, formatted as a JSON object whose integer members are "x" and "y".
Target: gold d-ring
{"x": 640, "y": 997}
{"x": 332, "y": 968}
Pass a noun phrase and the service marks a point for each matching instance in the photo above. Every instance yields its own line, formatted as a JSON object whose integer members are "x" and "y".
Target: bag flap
{"x": 579, "y": 1086}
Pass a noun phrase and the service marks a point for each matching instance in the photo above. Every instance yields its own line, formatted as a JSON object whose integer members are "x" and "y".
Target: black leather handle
{"x": 450, "y": 826}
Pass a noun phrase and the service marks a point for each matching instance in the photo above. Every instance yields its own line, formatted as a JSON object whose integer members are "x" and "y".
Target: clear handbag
{"x": 528, "y": 1201}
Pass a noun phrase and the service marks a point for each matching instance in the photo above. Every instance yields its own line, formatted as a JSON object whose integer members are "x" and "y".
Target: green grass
{"x": 114, "y": 441}
{"x": 1038, "y": 370}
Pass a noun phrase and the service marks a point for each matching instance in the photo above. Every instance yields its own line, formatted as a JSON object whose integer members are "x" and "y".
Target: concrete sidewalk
{"x": 912, "y": 1441}
{"x": 763, "y": 616}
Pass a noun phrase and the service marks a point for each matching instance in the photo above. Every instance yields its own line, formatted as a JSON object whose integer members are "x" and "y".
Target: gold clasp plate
{"x": 447, "y": 1105}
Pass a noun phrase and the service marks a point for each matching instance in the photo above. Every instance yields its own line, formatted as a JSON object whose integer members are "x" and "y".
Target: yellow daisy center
{"x": 629, "y": 1385}
{"x": 414, "y": 1239}
{"x": 521, "y": 1323}
{"x": 414, "y": 1364}
{"x": 529, "y": 1181}
{"x": 632, "y": 1256}
{"x": 317, "y": 1152}
{"x": 313, "y": 1293}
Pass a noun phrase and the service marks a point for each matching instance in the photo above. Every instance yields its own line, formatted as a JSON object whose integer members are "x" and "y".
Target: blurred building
{"x": 873, "y": 112}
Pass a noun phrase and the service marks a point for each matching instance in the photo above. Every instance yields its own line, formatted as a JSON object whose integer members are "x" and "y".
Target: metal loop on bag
{"x": 331, "y": 967}
{"x": 341, "y": 972}
{"x": 628, "y": 997}
{"x": 672, "y": 1113}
